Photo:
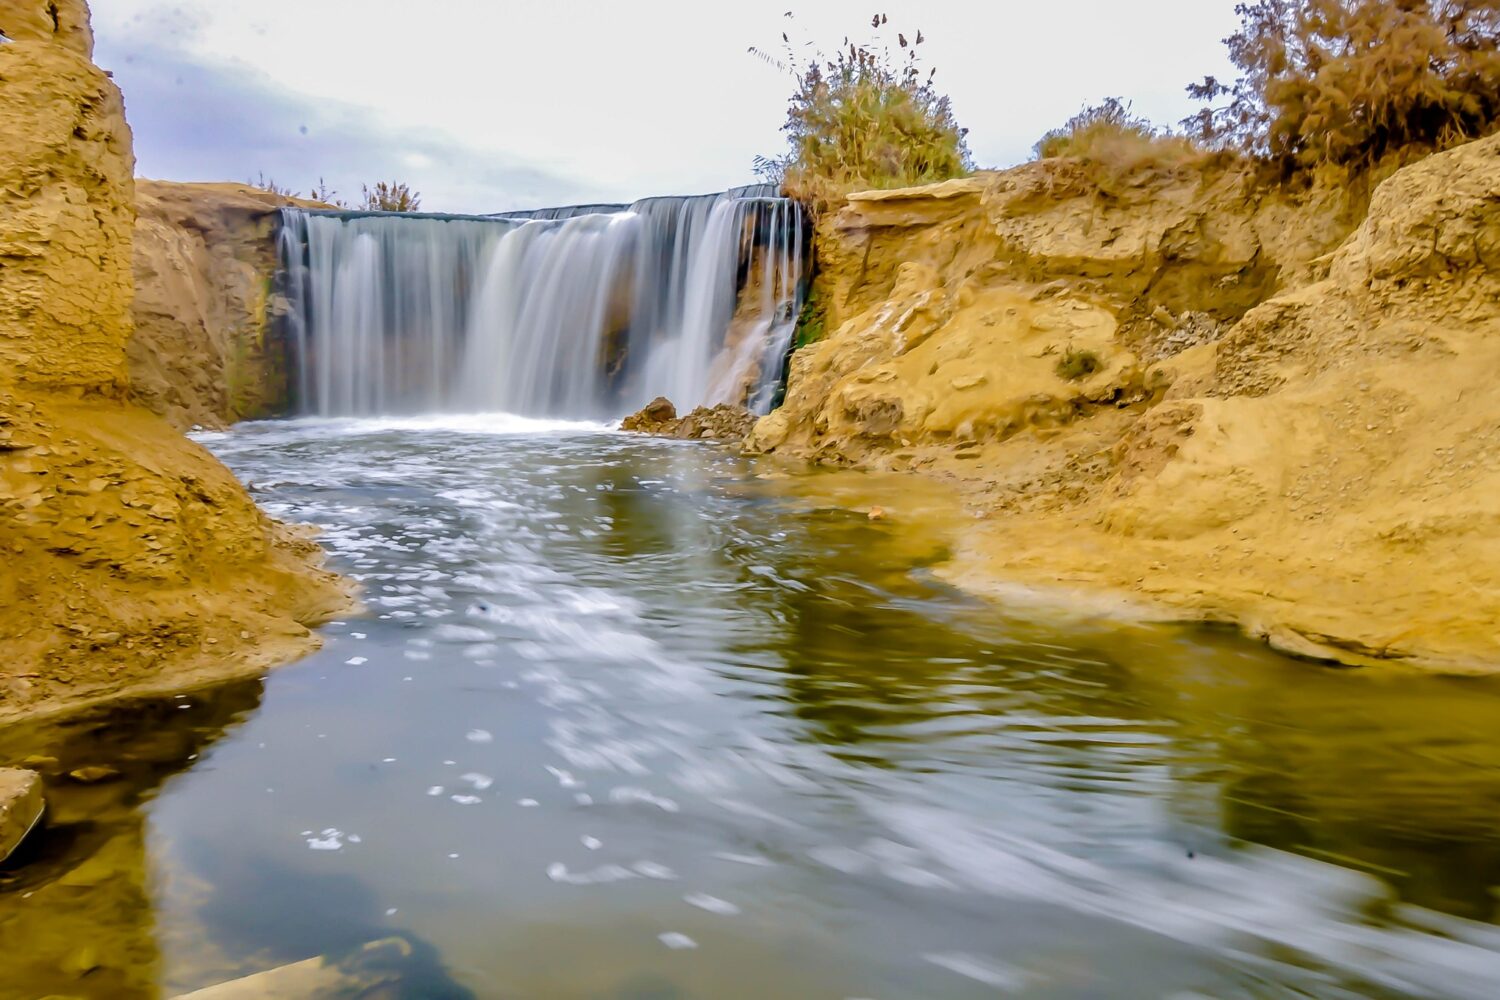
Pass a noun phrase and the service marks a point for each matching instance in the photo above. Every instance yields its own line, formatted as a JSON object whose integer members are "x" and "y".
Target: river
{"x": 622, "y": 719}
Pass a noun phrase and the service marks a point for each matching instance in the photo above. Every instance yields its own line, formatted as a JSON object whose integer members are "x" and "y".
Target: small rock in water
{"x": 93, "y": 775}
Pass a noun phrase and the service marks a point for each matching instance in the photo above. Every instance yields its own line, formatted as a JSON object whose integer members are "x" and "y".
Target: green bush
{"x": 865, "y": 118}
{"x": 1076, "y": 365}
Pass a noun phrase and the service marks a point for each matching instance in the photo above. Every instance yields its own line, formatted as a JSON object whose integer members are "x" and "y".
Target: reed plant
{"x": 866, "y": 117}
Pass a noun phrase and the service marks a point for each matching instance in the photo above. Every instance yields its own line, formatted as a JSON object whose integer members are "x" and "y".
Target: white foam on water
{"x": 713, "y": 904}
{"x": 500, "y": 424}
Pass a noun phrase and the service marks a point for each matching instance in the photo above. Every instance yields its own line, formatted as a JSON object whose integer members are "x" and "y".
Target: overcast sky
{"x": 484, "y": 105}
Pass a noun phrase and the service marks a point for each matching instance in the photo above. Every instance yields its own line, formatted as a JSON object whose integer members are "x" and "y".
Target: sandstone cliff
{"x": 205, "y": 349}
{"x": 1186, "y": 397}
{"x": 133, "y": 559}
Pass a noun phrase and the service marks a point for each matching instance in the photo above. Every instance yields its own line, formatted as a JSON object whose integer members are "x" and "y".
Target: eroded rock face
{"x": 66, "y": 196}
{"x": 1288, "y": 421}
{"x": 132, "y": 559}
{"x": 978, "y": 308}
{"x": 205, "y": 349}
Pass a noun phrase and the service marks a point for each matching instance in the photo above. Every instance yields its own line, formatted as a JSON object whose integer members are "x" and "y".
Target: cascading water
{"x": 579, "y": 312}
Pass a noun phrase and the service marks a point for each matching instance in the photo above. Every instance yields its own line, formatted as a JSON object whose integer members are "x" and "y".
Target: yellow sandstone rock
{"x": 205, "y": 348}
{"x": 133, "y": 559}
{"x": 1214, "y": 400}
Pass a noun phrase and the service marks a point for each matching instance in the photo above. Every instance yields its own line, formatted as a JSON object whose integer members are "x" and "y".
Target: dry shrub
{"x": 1349, "y": 82}
{"x": 390, "y": 197}
{"x": 1110, "y": 136}
{"x": 264, "y": 183}
{"x": 865, "y": 119}
{"x": 327, "y": 195}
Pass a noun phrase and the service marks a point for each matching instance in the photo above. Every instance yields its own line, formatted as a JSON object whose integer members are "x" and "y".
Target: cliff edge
{"x": 1182, "y": 396}
{"x": 134, "y": 560}
{"x": 206, "y": 350}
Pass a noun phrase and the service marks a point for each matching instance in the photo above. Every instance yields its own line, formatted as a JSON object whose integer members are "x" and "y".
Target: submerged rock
{"x": 372, "y": 969}
{"x": 21, "y": 805}
{"x": 723, "y": 422}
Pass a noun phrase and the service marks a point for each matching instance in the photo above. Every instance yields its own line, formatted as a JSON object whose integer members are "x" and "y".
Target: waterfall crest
{"x": 586, "y": 311}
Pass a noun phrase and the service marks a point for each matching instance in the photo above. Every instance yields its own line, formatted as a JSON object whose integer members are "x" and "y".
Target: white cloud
{"x": 593, "y": 99}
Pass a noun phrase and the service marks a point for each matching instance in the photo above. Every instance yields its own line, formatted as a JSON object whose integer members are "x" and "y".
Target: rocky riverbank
{"x": 1178, "y": 394}
{"x": 134, "y": 560}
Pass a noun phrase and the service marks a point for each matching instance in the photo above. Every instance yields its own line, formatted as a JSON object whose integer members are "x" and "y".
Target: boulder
{"x": 657, "y": 417}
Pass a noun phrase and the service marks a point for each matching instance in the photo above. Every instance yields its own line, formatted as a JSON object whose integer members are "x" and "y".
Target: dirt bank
{"x": 205, "y": 348}
{"x": 133, "y": 559}
{"x": 1180, "y": 396}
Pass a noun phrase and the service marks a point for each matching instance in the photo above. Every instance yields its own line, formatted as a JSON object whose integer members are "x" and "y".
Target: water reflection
{"x": 622, "y": 720}
{"x": 76, "y": 914}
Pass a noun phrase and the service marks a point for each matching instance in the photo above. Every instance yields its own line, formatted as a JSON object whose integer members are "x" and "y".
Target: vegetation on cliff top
{"x": 1348, "y": 82}
{"x": 385, "y": 196}
{"x": 1325, "y": 83}
{"x": 394, "y": 196}
{"x": 1112, "y": 135}
{"x": 865, "y": 118}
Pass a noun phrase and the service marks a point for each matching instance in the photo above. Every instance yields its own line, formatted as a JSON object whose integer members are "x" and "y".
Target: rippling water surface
{"x": 622, "y": 720}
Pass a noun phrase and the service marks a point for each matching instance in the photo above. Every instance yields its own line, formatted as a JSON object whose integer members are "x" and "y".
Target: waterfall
{"x": 585, "y": 311}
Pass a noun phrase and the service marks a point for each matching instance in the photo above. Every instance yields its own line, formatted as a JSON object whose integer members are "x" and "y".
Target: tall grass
{"x": 392, "y": 196}
{"x": 867, "y": 117}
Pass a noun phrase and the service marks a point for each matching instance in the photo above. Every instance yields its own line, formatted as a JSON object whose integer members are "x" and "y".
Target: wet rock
{"x": 21, "y": 806}
{"x": 657, "y": 417}
{"x": 719, "y": 423}
{"x": 723, "y": 422}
